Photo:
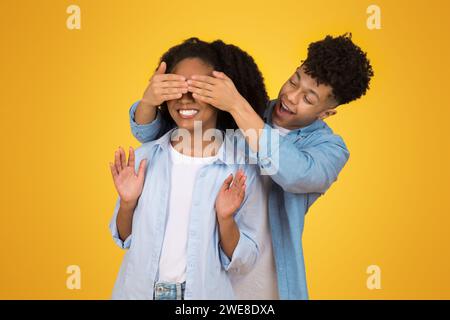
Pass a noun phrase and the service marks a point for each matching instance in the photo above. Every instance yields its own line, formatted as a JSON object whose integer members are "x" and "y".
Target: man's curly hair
{"x": 341, "y": 64}
{"x": 237, "y": 64}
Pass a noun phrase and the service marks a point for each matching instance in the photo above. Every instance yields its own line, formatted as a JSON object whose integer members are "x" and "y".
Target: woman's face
{"x": 185, "y": 110}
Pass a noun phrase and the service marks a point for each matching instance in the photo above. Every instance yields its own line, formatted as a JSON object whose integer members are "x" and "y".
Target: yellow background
{"x": 65, "y": 96}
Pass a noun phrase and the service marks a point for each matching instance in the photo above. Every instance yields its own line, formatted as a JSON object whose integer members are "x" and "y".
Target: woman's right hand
{"x": 128, "y": 184}
{"x": 163, "y": 87}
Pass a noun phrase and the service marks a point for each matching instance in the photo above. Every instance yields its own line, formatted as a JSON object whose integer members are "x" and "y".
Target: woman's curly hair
{"x": 339, "y": 63}
{"x": 238, "y": 65}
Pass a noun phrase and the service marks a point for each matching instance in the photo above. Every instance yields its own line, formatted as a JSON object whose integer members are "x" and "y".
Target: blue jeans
{"x": 168, "y": 291}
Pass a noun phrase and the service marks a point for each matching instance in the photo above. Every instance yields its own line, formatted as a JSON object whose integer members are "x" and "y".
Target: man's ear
{"x": 327, "y": 113}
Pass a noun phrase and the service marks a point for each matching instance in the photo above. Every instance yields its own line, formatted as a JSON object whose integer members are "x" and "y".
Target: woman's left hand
{"x": 230, "y": 198}
{"x": 218, "y": 91}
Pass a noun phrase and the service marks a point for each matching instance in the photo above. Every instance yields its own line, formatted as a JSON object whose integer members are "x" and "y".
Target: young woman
{"x": 189, "y": 224}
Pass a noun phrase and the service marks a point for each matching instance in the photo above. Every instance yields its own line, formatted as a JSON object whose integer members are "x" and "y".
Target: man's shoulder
{"x": 323, "y": 133}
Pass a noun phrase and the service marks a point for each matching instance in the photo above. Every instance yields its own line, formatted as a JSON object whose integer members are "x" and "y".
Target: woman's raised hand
{"x": 230, "y": 198}
{"x": 128, "y": 184}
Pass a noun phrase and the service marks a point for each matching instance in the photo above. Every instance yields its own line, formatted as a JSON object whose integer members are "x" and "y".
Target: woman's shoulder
{"x": 148, "y": 148}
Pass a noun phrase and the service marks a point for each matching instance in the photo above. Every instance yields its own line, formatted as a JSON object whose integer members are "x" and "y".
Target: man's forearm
{"x": 248, "y": 121}
{"x": 145, "y": 113}
{"x": 125, "y": 220}
{"x": 229, "y": 236}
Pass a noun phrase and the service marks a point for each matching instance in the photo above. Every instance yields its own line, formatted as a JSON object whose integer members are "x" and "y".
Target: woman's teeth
{"x": 188, "y": 113}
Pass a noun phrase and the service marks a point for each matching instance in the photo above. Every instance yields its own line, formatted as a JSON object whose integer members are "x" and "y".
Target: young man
{"x": 308, "y": 156}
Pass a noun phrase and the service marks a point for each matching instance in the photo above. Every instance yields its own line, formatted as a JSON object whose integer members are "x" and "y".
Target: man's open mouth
{"x": 284, "y": 108}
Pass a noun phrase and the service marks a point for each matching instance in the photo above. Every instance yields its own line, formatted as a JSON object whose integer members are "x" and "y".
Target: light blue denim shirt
{"x": 208, "y": 267}
{"x": 303, "y": 166}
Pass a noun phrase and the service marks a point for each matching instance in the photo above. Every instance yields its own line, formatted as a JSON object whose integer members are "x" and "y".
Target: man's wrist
{"x": 239, "y": 106}
{"x": 146, "y": 105}
{"x": 145, "y": 113}
{"x": 128, "y": 206}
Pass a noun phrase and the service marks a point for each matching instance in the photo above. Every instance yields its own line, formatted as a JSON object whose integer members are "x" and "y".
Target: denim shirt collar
{"x": 226, "y": 152}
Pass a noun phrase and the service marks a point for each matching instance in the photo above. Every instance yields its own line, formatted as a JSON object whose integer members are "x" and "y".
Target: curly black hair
{"x": 237, "y": 64}
{"x": 341, "y": 64}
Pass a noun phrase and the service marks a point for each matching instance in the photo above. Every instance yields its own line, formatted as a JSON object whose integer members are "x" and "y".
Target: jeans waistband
{"x": 168, "y": 291}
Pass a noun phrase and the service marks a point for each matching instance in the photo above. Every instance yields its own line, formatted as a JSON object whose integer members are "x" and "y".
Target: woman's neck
{"x": 193, "y": 145}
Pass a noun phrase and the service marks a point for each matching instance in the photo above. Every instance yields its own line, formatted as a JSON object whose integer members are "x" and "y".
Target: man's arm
{"x": 145, "y": 113}
{"x": 145, "y": 120}
{"x": 249, "y": 122}
{"x": 297, "y": 169}
{"x": 150, "y": 131}
{"x": 308, "y": 167}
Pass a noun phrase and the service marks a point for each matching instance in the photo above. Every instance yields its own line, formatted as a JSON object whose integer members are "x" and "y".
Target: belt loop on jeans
{"x": 179, "y": 295}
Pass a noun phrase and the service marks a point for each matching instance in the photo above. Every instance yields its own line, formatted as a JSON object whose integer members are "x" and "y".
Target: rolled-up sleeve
{"x": 145, "y": 132}
{"x": 244, "y": 255}
{"x": 115, "y": 232}
{"x": 249, "y": 219}
{"x": 310, "y": 168}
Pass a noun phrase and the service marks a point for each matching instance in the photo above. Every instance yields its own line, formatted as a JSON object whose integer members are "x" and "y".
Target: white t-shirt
{"x": 260, "y": 283}
{"x": 283, "y": 131}
{"x": 172, "y": 263}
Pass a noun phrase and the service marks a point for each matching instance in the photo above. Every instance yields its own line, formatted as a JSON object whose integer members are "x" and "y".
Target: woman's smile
{"x": 188, "y": 113}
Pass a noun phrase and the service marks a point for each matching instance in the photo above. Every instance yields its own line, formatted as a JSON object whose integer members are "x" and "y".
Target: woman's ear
{"x": 327, "y": 113}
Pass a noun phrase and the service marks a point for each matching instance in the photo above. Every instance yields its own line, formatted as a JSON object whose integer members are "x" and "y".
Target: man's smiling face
{"x": 301, "y": 101}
